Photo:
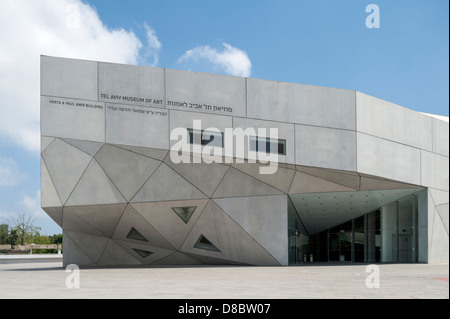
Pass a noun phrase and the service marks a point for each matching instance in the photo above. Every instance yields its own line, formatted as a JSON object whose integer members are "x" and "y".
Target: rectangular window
{"x": 205, "y": 138}
{"x": 268, "y": 145}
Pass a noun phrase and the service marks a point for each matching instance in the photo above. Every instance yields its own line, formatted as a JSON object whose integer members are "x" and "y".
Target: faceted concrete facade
{"x": 108, "y": 179}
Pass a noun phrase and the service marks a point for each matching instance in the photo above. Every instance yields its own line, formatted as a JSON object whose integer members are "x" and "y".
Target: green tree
{"x": 56, "y": 239}
{"x": 13, "y": 237}
{"x": 23, "y": 229}
{"x": 4, "y": 234}
{"x": 39, "y": 239}
{"x": 8, "y": 236}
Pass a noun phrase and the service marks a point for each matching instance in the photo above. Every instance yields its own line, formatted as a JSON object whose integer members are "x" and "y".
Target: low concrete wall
{"x": 20, "y": 259}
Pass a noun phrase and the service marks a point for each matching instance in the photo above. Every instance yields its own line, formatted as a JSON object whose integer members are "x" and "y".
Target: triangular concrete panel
{"x": 263, "y": 218}
{"x": 132, "y": 219}
{"x": 46, "y": 141}
{"x": 204, "y": 243}
{"x": 443, "y": 211}
{"x": 204, "y": 176}
{"x": 74, "y": 223}
{"x": 281, "y": 179}
{"x": 154, "y": 153}
{"x": 73, "y": 253}
{"x": 439, "y": 243}
{"x": 142, "y": 253}
{"x": 49, "y": 196}
{"x": 228, "y": 237}
{"x": 127, "y": 170}
{"x": 381, "y": 184}
{"x": 133, "y": 248}
{"x": 439, "y": 197}
{"x": 431, "y": 215}
{"x": 161, "y": 216}
{"x": 208, "y": 260}
{"x": 93, "y": 246}
{"x": 344, "y": 178}
{"x": 56, "y": 213}
{"x": 65, "y": 165}
{"x": 88, "y": 147}
{"x": 185, "y": 213}
{"x": 114, "y": 255}
{"x": 177, "y": 258}
{"x": 136, "y": 235}
{"x": 103, "y": 218}
{"x": 95, "y": 188}
{"x": 164, "y": 185}
{"x": 305, "y": 183}
{"x": 236, "y": 183}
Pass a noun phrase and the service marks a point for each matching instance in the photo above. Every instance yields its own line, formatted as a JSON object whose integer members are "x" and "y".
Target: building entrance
{"x": 389, "y": 233}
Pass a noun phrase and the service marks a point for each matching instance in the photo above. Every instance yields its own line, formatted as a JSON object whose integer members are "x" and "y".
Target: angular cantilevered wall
{"x": 108, "y": 179}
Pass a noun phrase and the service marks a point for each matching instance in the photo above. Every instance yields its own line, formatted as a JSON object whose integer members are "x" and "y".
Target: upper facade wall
{"x": 401, "y": 144}
{"x": 323, "y": 127}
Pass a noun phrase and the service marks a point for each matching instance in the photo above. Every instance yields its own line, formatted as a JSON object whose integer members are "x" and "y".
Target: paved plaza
{"x": 48, "y": 280}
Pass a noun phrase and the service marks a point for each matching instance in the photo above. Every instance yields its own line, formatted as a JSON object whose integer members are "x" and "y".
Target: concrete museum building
{"x": 356, "y": 178}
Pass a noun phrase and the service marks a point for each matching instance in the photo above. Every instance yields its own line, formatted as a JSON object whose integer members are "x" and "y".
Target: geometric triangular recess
{"x": 184, "y": 213}
{"x": 142, "y": 253}
{"x": 235, "y": 244}
{"x": 164, "y": 221}
{"x": 114, "y": 254}
{"x": 204, "y": 243}
{"x": 134, "y": 234}
{"x": 132, "y": 219}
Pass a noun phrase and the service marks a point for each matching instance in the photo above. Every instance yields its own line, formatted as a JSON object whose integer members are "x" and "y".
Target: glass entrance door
{"x": 340, "y": 240}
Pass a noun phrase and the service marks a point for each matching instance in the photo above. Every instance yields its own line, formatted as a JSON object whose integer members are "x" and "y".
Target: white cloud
{"x": 153, "y": 47}
{"x": 66, "y": 28}
{"x": 9, "y": 172}
{"x": 232, "y": 60}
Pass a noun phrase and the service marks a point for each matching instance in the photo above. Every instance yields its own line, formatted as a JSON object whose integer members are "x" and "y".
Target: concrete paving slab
{"x": 315, "y": 281}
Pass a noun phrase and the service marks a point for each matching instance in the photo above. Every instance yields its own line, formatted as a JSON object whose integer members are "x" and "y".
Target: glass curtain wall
{"x": 389, "y": 234}
{"x": 298, "y": 237}
{"x": 399, "y": 230}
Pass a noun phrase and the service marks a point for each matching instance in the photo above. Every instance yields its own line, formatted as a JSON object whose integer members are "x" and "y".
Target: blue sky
{"x": 323, "y": 42}
{"x": 320, "y": 42}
